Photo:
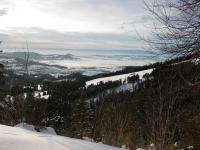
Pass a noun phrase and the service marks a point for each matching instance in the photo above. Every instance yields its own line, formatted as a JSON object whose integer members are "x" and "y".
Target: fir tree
{"x": 81, "y": 118}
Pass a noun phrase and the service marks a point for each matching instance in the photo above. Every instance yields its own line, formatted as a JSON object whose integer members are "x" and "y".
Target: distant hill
{"x": 36, "y": 56}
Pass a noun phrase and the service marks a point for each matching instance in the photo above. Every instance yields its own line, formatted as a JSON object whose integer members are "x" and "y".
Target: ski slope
{"x": 17, "y": 138}
{"x": 123, "y": 77}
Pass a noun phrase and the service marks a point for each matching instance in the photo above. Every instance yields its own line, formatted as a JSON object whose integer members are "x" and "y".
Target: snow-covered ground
{"x": 43, "y": 95}
{"x": 18, "y": 138}
{"x": 123, "y": 77}
{"x": 126, "y": 87}
{"x": 46, "y": 130}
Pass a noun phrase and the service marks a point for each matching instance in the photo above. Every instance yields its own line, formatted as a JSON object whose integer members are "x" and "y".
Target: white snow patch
{"x": 196, "y": 61}
{"x": 190, "y": 147}
{"x": 38, "y": 94}
{"x": 48, "y": 130}
{"x": 15, "y": 138}
{"x": 122, "y": 77}
{"x": 126, "y": 87}
{"x": 39, "y": 87}
{"x": 9, "y": 98}
{"x": 45, "y": 130}
{"x": 25, "y": 95}
{"x": 26, "y": 126}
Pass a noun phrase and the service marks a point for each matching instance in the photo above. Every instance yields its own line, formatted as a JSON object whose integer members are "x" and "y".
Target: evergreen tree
{"x": 29, "y": 107}
{"x": 81, "y": 117}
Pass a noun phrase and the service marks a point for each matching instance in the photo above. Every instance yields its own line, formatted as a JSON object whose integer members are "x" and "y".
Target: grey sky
{"x": 78, "y": 24}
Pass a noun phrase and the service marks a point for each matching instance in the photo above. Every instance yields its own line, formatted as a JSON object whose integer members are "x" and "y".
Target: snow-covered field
{"x": 122, "y": 77}
{"x": 18, "y": 138}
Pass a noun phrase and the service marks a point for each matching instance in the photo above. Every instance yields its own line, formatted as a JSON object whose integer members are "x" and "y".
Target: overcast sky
{"x": 74, "y": 24}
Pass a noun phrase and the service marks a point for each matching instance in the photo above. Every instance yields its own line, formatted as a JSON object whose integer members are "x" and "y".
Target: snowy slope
{"x": 46, "y": 130}
{"x": 123, "y": 77}
{"x": 15, "y": 138}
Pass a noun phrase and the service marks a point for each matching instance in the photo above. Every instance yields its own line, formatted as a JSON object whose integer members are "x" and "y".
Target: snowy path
{"x": 14, "y": 138}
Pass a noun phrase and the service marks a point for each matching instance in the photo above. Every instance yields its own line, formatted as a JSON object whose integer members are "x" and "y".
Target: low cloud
{"x": 42, "y": 38}
{"x": 3, "y": 12}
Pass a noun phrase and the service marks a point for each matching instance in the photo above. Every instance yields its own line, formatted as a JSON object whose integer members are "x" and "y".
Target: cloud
{"x": 82, "y": 24}
{"x": 3, "y": 12}
{"x": 42, "y": 38}
{"x": 72, "y": 15}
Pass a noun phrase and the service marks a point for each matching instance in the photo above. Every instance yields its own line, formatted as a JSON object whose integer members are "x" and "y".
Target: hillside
{"x": 15, "y": 138}
{"x": 122, "y": 77}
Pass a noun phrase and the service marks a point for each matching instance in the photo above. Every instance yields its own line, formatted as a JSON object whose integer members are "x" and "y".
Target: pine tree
{"x": 89, "y": 119}
{"x": 81, "y": 118}
{"x": 30, "y": 107}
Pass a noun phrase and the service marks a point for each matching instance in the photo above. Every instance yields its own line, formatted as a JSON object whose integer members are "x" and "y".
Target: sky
{"x": 73, "y": 24}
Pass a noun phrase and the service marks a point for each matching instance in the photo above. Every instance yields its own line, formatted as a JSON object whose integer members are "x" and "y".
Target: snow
{"x": 48, "y": 130}
{"x": 18, "y": 138}
{"x": 25, "y": 95}
{"x": 190, "y": 147}
{"x": 26, "y": 126}
{"x": 196, "y": 61}
{"x": 126, "y": 87}
{"x": 122, "y": 88}
{"x": 38, "y": 94}
{"x": 123, "y": 77}
{"x": 39, "y": 87}
{"x": 45, "y": 130}
{"x": 9, "y": 98}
